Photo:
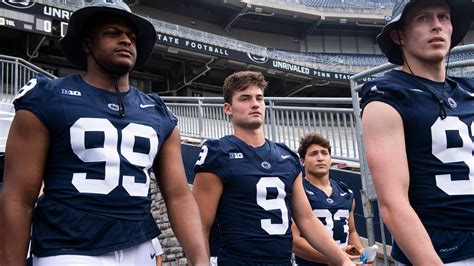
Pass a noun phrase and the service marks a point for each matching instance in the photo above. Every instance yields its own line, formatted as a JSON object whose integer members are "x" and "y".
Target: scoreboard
{"x": 34, "y": 17}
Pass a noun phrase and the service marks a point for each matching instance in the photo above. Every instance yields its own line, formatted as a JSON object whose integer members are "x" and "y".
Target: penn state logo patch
{"x": 266, "y": 165}
{"x": 113, "y": 106}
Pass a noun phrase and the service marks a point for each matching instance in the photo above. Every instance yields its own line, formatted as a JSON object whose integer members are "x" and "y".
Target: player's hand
{"x": 352, "y": 252}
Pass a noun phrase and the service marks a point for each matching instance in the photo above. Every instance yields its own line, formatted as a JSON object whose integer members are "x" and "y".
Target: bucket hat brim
{"x": 461, "y": 19}
{"x": 71, "y": 43}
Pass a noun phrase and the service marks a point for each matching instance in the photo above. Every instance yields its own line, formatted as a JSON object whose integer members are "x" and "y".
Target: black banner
{"x": 219, "y": 51}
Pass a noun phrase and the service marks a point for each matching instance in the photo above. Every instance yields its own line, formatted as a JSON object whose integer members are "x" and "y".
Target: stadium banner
{"x": 219, "y": 51}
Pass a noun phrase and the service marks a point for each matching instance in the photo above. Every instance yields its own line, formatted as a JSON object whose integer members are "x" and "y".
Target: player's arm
{"x": 207, "y": 189}
{"x": 182, "y": 208}
{"x": 312, "y": 228}
{"x": 354, "y": 238}
{"x": 303, "y": 249}
{"x": 26, "y": 152}
{"x": 385, "y": 147}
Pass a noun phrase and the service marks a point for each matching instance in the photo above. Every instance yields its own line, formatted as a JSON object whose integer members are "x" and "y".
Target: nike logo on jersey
{"x": 146, "y": 105}
{"x": 375, "y": 89}
{"x": 309, "y": 192}
{"x": 285, "y": 156}
{"x": 417, "y": 90}
{"x": 152, "y": 256}
{"x": 343, "y": 194}
{"x": 236, "y": 155}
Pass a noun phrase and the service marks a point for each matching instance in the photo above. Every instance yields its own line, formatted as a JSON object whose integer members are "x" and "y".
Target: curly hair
{"x": 312, "y": 138}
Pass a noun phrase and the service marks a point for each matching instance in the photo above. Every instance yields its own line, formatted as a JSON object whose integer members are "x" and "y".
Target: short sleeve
{"x": 32, "y": 96}
{"x": 212, "y": 159}
{"x": 161, "y": 105}
{"x": 393, "y": 96}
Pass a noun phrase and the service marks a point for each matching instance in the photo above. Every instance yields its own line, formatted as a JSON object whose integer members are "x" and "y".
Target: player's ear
{"x": 86, "y": 45}
{"x": 396, "y": 37}
{"x": 302, "y": 161}
{"x": 228, "y": 109}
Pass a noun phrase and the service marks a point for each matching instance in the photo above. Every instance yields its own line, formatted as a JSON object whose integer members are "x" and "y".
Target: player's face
{"x": 114, "y": 45}
{"x": 426, "y": 34}
{"x": 317, "y": 161}
{"x": 247, "y": 109}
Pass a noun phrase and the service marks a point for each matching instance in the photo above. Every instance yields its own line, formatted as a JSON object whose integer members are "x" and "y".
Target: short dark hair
{"x": 240, "y": 81}
{"x": 310, "y": 139}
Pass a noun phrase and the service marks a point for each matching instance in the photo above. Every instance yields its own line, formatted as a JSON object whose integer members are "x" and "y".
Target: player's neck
{"x": 431, "y": 71}
{"x": 103, "y": 80}
{"x": 320, "y": 182}
{"x": 253, "y": 137}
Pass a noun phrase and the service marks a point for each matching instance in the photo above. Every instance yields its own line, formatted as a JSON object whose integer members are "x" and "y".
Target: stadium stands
{"x": 324, "y": 61}
{"x": 348, "y": 3}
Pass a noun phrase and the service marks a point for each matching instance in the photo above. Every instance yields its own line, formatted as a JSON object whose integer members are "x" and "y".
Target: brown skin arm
{"x": 207, "y": 190}
{"x": 25, "y": 157}
{"x": 183, "y": 211}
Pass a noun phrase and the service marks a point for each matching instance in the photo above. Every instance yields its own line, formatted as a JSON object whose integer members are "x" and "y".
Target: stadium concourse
{"x": 305, "y": 48}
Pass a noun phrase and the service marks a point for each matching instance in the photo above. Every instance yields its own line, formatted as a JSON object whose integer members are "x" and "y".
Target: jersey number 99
{"x": 110, "y": 155}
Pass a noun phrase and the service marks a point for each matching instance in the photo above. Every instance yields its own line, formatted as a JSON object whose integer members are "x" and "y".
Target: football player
{"x": 332, "y": 202}
{"x": 418, "y": 130}
{"x": 252, "y": 186}
{"x": 93, "y": 139}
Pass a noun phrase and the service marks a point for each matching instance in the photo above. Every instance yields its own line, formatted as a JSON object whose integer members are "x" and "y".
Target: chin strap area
{"x": 119, "y": 96}
{"x": 114, "y": 77}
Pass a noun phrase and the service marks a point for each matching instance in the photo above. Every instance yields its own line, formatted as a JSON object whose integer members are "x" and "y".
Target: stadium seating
{"x": 364, "y": 4}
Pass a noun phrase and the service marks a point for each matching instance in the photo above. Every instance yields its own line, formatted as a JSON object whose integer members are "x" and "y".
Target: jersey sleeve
{"x": 344, "y": 187}
{"x": 212, "y": 159}
{"x": 386, "y": 92}
{"x": 33, "y": 95}
{"x": 297, "y": 167}
{"x": 166, "y": 112}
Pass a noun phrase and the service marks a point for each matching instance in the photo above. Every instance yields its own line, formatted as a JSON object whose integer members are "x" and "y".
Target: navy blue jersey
{"x": 96, "y": 196}
{"x": 254, "y": 212}
{"x": 332, "y": 211}
{"x": 439, "y": 152}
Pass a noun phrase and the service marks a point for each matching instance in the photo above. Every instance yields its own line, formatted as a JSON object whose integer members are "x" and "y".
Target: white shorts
{"x": 142, "y": 254}
{"x": 466, "y": 262}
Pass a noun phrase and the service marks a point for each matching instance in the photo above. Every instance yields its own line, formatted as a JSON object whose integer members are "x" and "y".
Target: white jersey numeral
{"x": 110, "y": 155}
{"x": 447, "y": 154}
{"x": 273, "y": 204}
{"x": 202, "y": 155}
{"x": 329, "y": 218}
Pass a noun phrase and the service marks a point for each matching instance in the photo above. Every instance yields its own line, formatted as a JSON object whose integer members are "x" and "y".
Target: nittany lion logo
{"x": 257, "y": 58}
{"x": 19, "y": 3}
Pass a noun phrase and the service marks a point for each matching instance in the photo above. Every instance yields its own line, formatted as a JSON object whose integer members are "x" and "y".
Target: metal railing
{"x": 287, "y": 119}
{"x": 14, "y": 73}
